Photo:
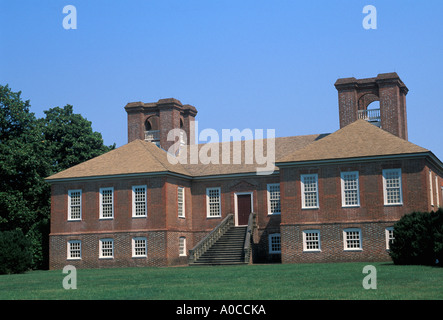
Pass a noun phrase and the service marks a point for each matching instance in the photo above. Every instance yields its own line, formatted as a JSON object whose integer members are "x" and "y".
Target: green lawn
{"x": 253, "y": 282}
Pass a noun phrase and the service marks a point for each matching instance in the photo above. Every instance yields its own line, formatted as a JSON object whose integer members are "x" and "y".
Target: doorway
{"x": 243, "y": 207}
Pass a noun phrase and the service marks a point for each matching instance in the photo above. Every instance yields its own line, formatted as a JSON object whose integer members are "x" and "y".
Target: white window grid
{"x": 139, "y": 202}
{"x": 430, "y": 188}
{"x": 182, "y": 246}
{"x": 213, "y": 202}
{"x": 181, "y": 201}
{"x": 139, "y": 247}
{"x": 350, "y": 189}
{"x": 392, "y": 186}
{"x": 274, "y": 243}
{"x": 389, "y": 236}
{"x": 274, "y": 198}
{"x": 106, "y": 248}
{"x": 74, "y": 249}
{"x": 352, "y": 239}
{"x": 107, "y": 203}
{"x": 75, "y": 205}
{"x": 311, "y": 240}
{"x": 309, "y": 189}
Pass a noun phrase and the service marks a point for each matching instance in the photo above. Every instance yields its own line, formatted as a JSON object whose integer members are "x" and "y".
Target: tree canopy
{"x": 32, "y": 149}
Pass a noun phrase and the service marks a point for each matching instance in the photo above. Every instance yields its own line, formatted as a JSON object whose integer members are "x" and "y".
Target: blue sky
{"x": 243, "y": 64}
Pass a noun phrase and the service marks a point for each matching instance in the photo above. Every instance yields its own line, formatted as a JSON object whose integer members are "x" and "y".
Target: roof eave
{"x": 357, "y": 159}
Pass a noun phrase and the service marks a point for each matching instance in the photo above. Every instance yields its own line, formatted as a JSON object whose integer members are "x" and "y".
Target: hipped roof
{"x": 357, "y": 140}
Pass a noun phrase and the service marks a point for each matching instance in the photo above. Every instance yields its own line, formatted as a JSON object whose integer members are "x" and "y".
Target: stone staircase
{"x": 228, "y": 249}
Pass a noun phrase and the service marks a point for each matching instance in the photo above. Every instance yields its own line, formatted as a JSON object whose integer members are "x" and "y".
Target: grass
{"x": 254, "y": 282}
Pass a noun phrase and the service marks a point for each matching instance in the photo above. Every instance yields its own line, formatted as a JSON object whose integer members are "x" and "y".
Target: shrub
{"x": 15, "y": 253}
{"x": 418, "y": 239}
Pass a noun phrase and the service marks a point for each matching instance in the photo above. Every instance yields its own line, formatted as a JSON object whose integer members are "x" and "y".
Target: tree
{"x": 15, "y": 254}
{"x": 418, "y": 239}
{"x": 32, "y": 149}
{"x": 69, "y": 138}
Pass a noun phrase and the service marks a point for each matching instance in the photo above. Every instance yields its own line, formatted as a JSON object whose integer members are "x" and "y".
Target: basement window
{"x": 274, "y": 243}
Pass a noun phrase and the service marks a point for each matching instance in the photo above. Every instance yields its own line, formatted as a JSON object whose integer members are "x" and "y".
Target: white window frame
{"x": 208, "y": 203}
{"x": 270, "y": 195}
{"x": 70, "y": 250}
{"x": 70, "y": 192}
{"x": 385, "y": 191}
{"x": 306, "y": 240}
{"x": 436, "y": 191}
{"x": 303, "y": 177}
{"x": 112, "y": 202}
{"x": 182, "y": 247}
{"x": 345, "y": 239}
{"x": 270, "y": 238}
{"x": 101, "y": 255}
{"x": 135, "y": 201}
{"x": 136, "y": 245}
{"x": 389, "y": 234}
{"x": 343, "y": 189}
{"x": 181, "y": 212}
{"x": 431, "y": 191}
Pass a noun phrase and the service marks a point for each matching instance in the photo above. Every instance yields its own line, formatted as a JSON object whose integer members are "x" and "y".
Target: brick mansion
{"x": 330, "y": 197}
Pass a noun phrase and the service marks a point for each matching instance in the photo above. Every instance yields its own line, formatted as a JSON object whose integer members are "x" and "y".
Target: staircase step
{"x": 226, "y": 250}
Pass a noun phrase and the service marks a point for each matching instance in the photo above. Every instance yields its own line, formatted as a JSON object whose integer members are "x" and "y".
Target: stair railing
{"x": 248, "y": 237}
{"x": 204, "y": 244}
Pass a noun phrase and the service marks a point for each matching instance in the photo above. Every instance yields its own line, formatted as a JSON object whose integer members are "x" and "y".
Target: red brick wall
{"x": 372, "y": 216}
{"x": 332, "y": 245}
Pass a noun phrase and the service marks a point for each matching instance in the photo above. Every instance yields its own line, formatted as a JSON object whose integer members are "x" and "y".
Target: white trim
{"x": 184, "y": 253}
{"x": 345, "y": 242}
{"x": 101, "y": 202}
{"x": 181, "y": 214}
{"x": 431, "y": 189}
{"x": 236, "y": 204}
{"x": 101, "y": 256}
{"x": 268, "y": 186}
{"x": 69, "y": 252}
{"x": 271, "y": 251}
{"x": 134, "y": 255}
{"x": 305, "y": 249}
{"x": 436, "y": 191}
{"x": 69, "y": 205}
{"x": 343, "y": 198}
{"x": 387, "y": 236}
{"x": 385, "y": 193}
{"x": 207, "y": 202}
{"x": 133, "y": 202}
{"x": 302, "y": 183}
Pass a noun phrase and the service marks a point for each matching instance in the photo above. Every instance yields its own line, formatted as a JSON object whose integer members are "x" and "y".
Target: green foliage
{"x": 69, "y": 138}
{"x": 418, "y": 239}
{"x": 15, "y": 253}
{"x": 32, "y": 149}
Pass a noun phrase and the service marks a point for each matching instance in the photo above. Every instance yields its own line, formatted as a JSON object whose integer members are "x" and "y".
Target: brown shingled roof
{"x": 283, "y": 146}
{"x": 358, "y": 139}
{"x": 135, "y": 157}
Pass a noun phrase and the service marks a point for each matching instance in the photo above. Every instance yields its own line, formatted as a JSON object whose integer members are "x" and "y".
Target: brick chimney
{"x": 153, "y": 121}
{"x": 355, "y": 95}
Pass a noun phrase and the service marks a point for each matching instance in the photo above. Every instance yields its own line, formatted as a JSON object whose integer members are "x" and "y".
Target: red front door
{"x": 243, "y": 209}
